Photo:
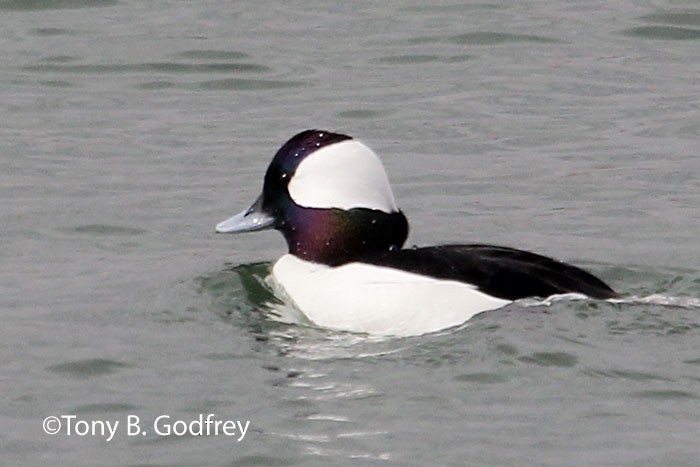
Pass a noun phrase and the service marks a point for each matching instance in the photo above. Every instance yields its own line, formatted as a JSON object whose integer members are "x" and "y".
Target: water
{"x": 129, "y": 129}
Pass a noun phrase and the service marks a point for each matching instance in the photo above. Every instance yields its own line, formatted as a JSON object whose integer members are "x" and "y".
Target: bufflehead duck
{"x": 328, "y": 194}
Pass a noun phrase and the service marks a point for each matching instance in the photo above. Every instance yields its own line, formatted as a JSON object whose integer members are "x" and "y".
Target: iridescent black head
{"x": 329, "y": 196}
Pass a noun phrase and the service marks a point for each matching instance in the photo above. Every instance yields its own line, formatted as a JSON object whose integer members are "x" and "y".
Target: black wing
{"x": 498, "y": 271}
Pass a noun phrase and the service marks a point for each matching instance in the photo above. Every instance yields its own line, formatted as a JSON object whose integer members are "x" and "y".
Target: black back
{"x": 502, "y": 272}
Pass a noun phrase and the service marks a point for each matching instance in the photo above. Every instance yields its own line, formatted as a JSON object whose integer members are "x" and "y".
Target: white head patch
{"x": 343, "y": 175}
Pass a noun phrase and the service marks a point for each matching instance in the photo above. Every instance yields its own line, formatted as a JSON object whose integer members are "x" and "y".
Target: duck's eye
{"x": 284, "y": 176}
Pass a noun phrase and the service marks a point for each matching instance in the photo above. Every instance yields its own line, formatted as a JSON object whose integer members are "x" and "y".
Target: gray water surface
{"x": 129, "y": 129}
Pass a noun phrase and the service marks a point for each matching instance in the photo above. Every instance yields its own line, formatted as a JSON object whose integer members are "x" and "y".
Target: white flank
{"x": 343, "y": 175}
{"x": 377, "y": 300}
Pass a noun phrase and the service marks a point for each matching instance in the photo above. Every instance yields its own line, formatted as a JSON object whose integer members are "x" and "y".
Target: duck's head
{"x": 329, "y": 196}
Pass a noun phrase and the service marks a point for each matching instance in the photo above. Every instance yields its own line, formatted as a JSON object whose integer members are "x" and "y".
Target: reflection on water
{"x": 241, "y": 294}
{"x": 245, "y": 295}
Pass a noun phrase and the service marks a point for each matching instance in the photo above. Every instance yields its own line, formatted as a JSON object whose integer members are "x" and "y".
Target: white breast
{"x": 376, "y": 300}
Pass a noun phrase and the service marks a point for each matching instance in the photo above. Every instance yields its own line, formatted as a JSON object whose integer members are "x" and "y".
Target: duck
{"x": 347, "y": 268}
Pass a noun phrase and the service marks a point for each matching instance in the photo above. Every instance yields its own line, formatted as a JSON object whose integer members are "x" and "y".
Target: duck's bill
{"x": 250, "y": 220}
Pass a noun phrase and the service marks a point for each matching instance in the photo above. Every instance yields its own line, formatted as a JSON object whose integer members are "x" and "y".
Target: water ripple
{"x": 209, "y": 54}
{"x": 165, "y": 67}
{"x": 107, "y": 229}
{"x": 626, "y": 375}
{"x": 31, "y": 5}
{"x": 362, "y": 114}
{"x": 481, "y": 378}
{"x": 419, "y": 59}
{"x": 689, "y": 18}
{"x": 666, "y": 33}
{"x": 483, "y": 38}
{"x": 88, "y": 368}
{"x": 662, "y": 30}
{"x": 207, "y": 63}
{"x": 554, "y": 359}
{"x": 50, "y": 32}
{"x": 665, "y": 394}
{"x": 239, "y": 84}
{"x": 493, "y": 38}
{"x": 104, "y": 407}
{"x": 409, "y": 59}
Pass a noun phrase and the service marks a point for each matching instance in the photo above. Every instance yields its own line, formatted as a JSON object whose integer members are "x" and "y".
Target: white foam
{"x": 654, "y": 299}
{"x": 662, "y": 300}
